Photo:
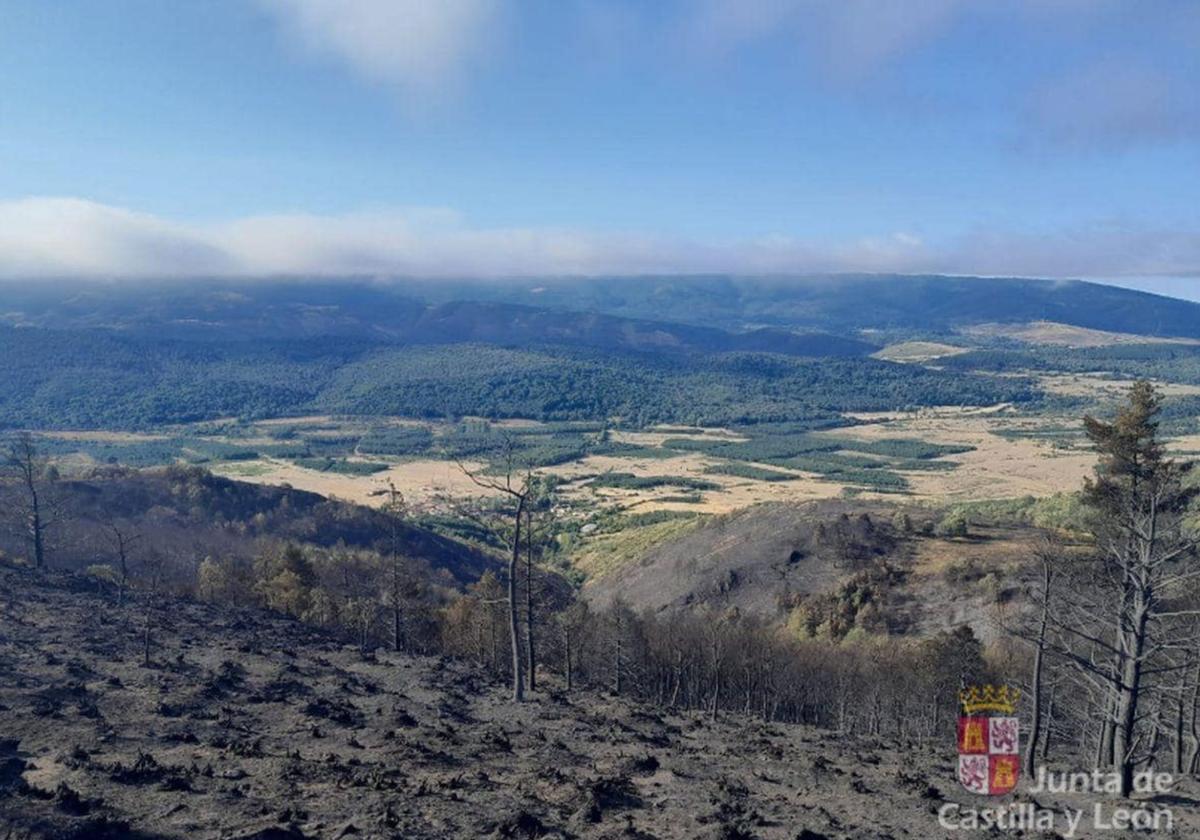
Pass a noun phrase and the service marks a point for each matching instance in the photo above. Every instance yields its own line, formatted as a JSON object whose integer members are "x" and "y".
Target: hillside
{"x": 845, "y": 303}
{"x": 100, "y": 379}
{"x": 248, "y": 726}
{"x": 186, "y": 514}
{"x": 384, "y": 314}
{"x": 538, "y": 309}
{"x": 638, "y": 351}
{"x": 824, "y": 558}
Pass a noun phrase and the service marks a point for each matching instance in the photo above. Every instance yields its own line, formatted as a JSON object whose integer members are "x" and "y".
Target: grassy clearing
{"x": 243, "y": 469}
{"x": 604, "y": 554}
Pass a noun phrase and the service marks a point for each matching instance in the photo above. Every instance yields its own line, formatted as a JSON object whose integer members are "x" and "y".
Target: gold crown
{"x": 989, "y": 698}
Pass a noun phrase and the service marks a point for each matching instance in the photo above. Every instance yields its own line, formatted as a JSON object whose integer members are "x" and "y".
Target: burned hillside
{"x": 245, "y": 725}
{"x": 185, "y": 514}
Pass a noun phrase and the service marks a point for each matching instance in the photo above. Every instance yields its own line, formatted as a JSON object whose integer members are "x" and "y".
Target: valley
{"x": 998, "y": 453}
{"x": 706, "y": 525}
{"x": 599, "y": 420}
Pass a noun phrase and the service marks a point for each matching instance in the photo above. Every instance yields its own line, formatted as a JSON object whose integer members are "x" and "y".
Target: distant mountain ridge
{"x": 387, "y": 315}
{"x": 555, "y": 309}
{"x": 851, "y": 302}
{"x": 515, "y": 324}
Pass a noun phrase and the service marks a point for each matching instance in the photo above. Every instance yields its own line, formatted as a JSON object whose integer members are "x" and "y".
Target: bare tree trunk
{"x": 520, "y": 496}
{"x": 1105, "y": 754}
{"x": 25, "y": 457}
{"x": 567, "y": 650}
{"x": 122, "y": 543}
{"x": 678, "y": 676}
{"x": 397, "y": 634}
{"x": 716, "y": 694}
{"x": 1193, "y": 759}
{"x": 617, "y": 667}
{"x": 1049, "y": 727}
{"x": 39, "y": 545}
{"x": 514, "y": 622}
{"x": 1179, "y": 735}
{"x": 146, "y": 633}
{"x": 529, "y": 643}
{"x": 1128, "y": 696}
{"x": 1035, "y": 723}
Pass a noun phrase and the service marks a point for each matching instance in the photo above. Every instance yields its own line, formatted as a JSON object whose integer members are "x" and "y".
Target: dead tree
{"x": 572, "y": 622}
{"x": 37, "y": 509}
{"x": 518, "y": 491}
{"x": 716, "y": 637}
{"x": 619, "y": 624}
{"x": 530, "y": 647}
{"x": 155, "y": 563}
{"x": 539, "y": 516}
{"x": 122, "y": 540}
{"x": 1047, "y": 556}
{"x": 396, "y": 510}
{"x": 1123, "y": 628}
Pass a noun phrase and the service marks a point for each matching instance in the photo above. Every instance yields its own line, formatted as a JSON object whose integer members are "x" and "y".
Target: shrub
{"x": 954, "y": 525}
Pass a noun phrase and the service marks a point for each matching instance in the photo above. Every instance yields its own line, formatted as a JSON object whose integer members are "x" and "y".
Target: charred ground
{"x": 247, "y": 725}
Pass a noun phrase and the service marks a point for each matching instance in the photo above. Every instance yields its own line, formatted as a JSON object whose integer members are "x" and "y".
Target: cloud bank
{"x": 69, "y": 237}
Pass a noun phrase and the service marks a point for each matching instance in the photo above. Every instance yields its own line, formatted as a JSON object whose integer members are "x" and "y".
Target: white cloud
{"x": 68, "y": 237}
{"x": 72, "y": 237}
{"x": 420, "y": 45}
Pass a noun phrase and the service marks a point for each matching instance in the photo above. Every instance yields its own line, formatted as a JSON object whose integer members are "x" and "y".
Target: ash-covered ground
{"x": 245, "y": 725}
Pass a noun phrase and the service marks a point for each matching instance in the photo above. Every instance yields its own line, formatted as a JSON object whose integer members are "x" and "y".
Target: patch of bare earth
{"x": 422, "y": 482}
{"x": 918, "y": 352}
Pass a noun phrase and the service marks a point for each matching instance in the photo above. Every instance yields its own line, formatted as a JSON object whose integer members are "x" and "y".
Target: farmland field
{"x": 969, "y": 454}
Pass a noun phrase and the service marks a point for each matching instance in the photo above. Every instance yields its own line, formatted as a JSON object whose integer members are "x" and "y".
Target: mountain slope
{"x": 180, "y": 511}
{"x": 384, "y": 314}
{"x": 827, "y": 556}
{"x": 838, "y": 303}
{"x": 512, "y": 324}
{"x": 252, "y": 727}
{"x": 411, "y": 310}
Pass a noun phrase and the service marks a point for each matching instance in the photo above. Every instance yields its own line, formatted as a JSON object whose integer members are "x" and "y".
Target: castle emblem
{"x": 989, "y": 740}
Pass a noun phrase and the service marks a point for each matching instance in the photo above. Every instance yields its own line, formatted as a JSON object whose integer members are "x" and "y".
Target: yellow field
{"x": 918, "y": 352}
{"x": 1099, "y": 385}
{"x": 998, "y": 467}
{"x": 422, "y": 482}
{"x": 1065, "y": 335}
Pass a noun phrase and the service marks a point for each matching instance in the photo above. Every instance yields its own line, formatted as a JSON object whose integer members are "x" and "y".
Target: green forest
{"x": 83, "y": 379}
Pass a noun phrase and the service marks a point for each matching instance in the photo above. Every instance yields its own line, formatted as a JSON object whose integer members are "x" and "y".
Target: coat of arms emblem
{"x": 988, "y": 740}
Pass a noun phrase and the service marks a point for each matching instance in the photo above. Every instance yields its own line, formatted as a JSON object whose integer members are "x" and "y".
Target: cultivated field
{"x": 1007, "y": 458}
{"x": 999, "y": 453}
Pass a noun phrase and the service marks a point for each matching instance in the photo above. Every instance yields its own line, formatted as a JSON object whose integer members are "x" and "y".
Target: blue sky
{"x": 1030, "y": 137}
